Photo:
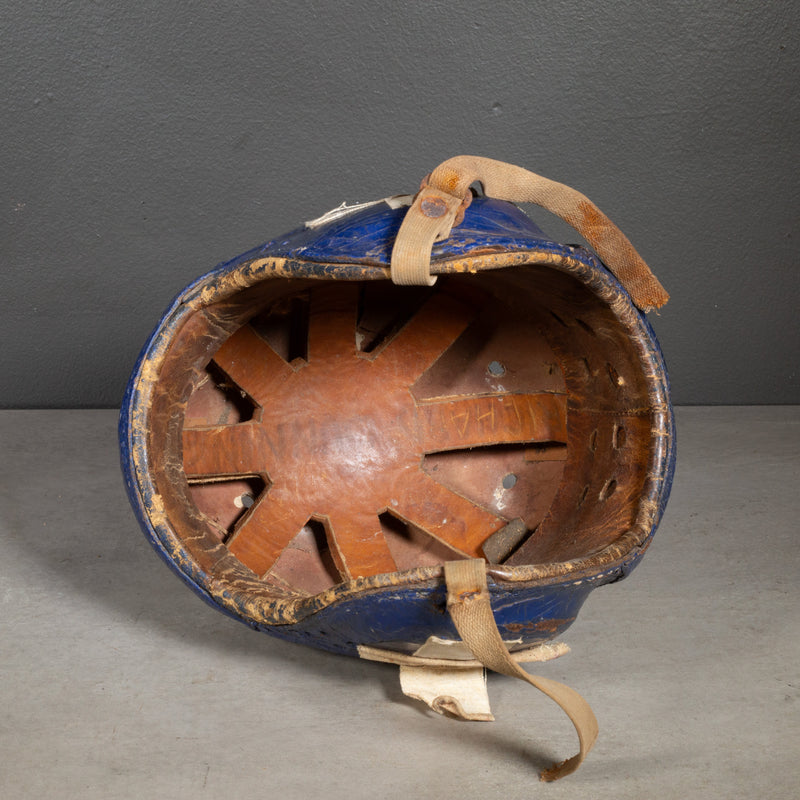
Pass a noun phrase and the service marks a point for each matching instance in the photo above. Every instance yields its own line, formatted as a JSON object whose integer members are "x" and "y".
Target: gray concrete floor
{"x": 117, "y": 682}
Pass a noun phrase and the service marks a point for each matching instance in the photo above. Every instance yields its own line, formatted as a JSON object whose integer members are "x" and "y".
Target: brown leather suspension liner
{"x": 343, "y": 430}
{"x": 382, "y": 437}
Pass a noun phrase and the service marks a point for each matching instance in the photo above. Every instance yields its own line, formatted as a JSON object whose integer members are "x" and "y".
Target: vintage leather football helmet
{"x": 316, "y": 429}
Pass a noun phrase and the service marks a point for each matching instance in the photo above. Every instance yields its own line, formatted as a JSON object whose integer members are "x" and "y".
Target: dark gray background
{"x": 145, "y": 142}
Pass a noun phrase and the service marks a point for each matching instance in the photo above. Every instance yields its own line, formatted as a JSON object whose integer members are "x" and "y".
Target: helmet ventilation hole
{"x": 616, "y": 379}
{"x": 608, "y": 489}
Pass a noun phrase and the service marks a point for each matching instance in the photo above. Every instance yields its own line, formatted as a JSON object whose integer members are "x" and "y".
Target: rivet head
{"x": 433, "y": 207}
{"x": 509, "y": 481}
{"x": 496, "y": 369}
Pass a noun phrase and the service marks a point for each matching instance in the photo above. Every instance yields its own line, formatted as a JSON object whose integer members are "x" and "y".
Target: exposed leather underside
{"x": 314, "y": 432}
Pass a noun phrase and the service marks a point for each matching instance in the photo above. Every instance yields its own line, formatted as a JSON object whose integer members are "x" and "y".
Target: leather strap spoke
{"x": 442, "y": 513}
{"x": 252, "y": 364}
{"x": 358, "y": 545}
{"x": 425, "y": 337}
{"x": 265, "y": 531}
{"x": 224, "y": 450}
{"x": 481, "y": 421}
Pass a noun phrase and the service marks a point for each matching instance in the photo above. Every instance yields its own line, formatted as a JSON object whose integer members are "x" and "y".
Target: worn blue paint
{"x": 403, "y": 618}
{"x": 366, "y": 238}
{"x": 396, "y": 617}
{"x": 368, "y": 235}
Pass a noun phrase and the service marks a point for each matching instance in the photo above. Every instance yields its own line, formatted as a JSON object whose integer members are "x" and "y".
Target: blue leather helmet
{"x": 307, "y": 442}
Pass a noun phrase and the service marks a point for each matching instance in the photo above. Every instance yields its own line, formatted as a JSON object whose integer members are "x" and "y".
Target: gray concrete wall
{"x": 145, "y": 142}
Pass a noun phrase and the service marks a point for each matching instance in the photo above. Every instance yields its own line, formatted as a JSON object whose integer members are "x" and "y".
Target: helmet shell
{"x": 554, "y": 306}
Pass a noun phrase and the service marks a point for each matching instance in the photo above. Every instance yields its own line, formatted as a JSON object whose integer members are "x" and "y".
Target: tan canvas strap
{"x": 445, "y": 193}
{"x": 468, "y": 602}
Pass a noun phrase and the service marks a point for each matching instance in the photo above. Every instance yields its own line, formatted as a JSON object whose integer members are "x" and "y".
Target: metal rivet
{"x": 433, "y": 207}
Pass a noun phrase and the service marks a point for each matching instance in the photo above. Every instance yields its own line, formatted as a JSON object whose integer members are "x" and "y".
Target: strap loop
{"x": 433, "y": 215}
{"x": 468, "y": 602}
{"x": 440, "y": 204}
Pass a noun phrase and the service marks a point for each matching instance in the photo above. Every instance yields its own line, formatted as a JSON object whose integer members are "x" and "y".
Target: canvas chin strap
{"x": 445, "y": 194}
{"x": 468, "y": 602}
{"x": 450, "y": 676}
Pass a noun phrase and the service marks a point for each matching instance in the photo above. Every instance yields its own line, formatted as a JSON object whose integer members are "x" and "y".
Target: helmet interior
{"x": 318, "y": 432}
